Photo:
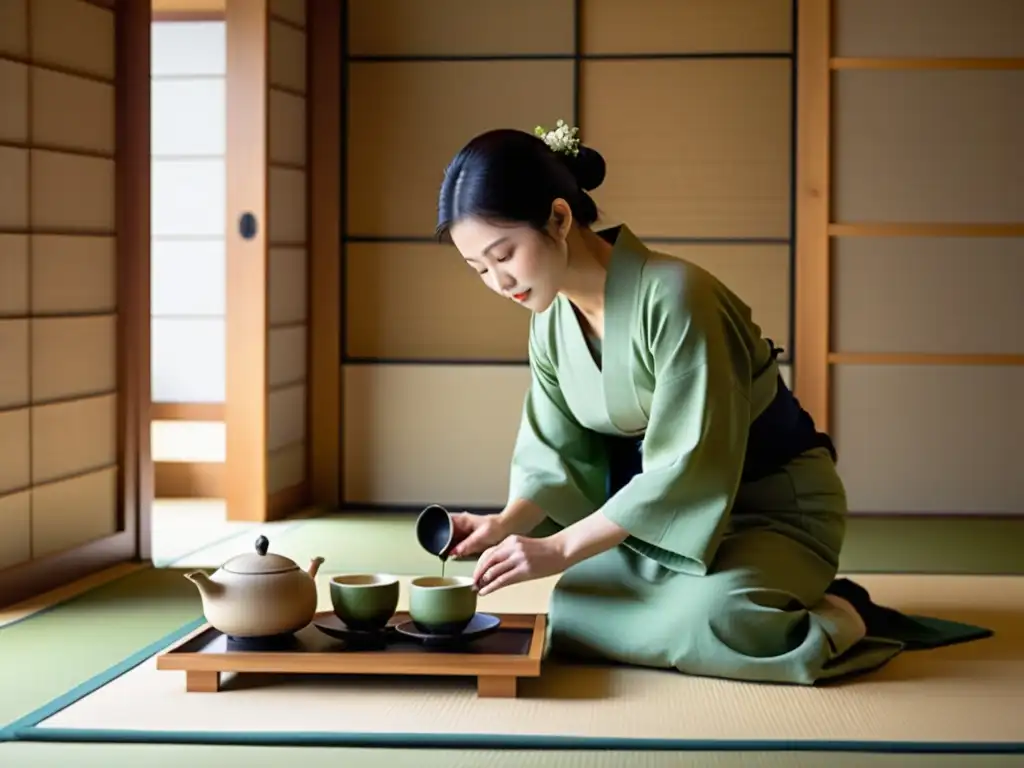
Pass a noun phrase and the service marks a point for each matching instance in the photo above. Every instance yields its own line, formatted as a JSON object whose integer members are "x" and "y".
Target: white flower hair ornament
{"x": 562, "y": 139}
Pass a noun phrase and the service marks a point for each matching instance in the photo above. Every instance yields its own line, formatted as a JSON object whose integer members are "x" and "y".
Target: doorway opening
{"x": 188, "y": 296}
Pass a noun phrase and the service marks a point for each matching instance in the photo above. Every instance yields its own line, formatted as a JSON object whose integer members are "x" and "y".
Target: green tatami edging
{"x": 25, "y": 754}
{"x": 48, "y": 654}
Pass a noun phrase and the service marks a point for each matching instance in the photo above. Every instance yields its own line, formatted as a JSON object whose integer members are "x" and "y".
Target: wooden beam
{"x": 187, "y": 411}
{"x": 813, "y": 183}
{"x": 922, "y": 358}
{"x": 894, "y": 64}
{"x": 926, "y": 229}
{"x": 189, "y": 480}
{"x": 325, "y": 201}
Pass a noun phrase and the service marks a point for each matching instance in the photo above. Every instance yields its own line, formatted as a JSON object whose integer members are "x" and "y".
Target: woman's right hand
{"x": 475, "y": 533}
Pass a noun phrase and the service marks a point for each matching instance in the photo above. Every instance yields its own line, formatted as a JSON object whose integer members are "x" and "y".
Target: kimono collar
{"x": 621, "y": 316}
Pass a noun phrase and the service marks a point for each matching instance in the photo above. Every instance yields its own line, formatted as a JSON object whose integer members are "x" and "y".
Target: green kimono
{"x": 720, "y": 575}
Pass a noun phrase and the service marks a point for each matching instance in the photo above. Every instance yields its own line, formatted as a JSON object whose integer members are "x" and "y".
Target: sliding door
{"x": 74, "y": 293}
{"x": 267, "y": 330}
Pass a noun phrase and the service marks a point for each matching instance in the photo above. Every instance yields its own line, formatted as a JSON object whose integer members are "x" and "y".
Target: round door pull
{"x": 247, "y": 226}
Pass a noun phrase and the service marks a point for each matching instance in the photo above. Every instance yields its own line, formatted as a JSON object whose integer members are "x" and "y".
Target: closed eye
{"x": 500, "y": 260}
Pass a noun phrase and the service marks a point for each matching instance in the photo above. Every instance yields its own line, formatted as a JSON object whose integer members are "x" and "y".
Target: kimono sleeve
{"x": 677, "y": 508}
{"x": 557, "y": 464}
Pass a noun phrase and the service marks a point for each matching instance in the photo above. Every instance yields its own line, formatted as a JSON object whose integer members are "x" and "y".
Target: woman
{"x": 662, "y": 466}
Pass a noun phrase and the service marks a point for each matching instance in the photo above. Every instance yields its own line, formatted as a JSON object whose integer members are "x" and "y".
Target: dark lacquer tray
{"x": 496, "y": 659}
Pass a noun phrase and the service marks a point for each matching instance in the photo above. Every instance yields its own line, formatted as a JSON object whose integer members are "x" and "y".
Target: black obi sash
{"x": 781, "y": 433}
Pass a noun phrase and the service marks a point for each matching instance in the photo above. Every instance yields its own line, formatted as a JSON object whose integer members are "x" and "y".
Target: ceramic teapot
{"x": 258, "y": 595}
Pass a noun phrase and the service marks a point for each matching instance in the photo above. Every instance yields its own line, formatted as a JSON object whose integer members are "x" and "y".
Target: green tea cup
{"x": 365, "y": 601}
{"x": 442, "y": 605}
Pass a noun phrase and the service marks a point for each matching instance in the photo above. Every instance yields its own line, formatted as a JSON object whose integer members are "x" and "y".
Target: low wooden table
{"x": 497, "y": 660}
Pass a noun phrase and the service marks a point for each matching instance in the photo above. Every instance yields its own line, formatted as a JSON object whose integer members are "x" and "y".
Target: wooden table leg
{"x": 496, "y": 686}
{"x": 202, "y": 681}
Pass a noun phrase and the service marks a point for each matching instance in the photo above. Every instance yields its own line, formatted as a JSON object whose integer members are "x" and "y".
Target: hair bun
{"x": 588, "y": 167}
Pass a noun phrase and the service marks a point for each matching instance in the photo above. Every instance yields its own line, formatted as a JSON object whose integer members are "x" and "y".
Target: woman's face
{"x": 515, "y": 261}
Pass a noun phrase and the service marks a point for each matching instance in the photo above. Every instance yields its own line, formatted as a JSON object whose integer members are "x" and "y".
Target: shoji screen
{"x": 73, "y": 252}
{"x": 267, "y": 384}
{"x": 691, "y": 104}
{"x": 923, "y": 264}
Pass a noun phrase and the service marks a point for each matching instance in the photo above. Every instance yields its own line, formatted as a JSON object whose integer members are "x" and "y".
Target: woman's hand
{"x": 518, "y": 558}
{"x": 475, "y": 533}
{"x": 521, "y": 558}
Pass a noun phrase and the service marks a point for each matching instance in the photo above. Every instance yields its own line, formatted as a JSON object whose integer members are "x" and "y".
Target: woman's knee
{"x": 731, "y": 609}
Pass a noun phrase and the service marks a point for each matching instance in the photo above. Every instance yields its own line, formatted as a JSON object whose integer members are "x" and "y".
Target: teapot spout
{"x": 207, "y": 587}
{"x": 314, "y": 566}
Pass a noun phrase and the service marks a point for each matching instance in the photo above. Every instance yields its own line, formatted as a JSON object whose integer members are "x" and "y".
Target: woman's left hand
{"x": 518, "y": 558}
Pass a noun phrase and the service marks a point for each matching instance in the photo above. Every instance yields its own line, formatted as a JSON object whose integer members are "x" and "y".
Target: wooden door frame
{"x": 246, "y": 412}
{"x": 132, "y": 227}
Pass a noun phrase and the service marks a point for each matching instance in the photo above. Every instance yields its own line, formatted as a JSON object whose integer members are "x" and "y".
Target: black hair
{"x": 510, "y": 175}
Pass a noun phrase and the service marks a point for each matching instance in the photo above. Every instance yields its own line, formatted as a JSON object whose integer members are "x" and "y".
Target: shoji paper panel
{"x": 73, "y": 35}
{"x": 936, "y": 146}
{"x": 293, "y": 11}
{"x": 14, "y": 272}
{"x": 72, "y": 192}
{"x": 188, "y": 48}
{"x": 14, "y": 450}
{"x": 921, "y": 438}
{"x": 287, "y": 57}
{"x": 695, "y": 148}
{"x": 73, "y": 357}
{"x": 14, "y": 27}
{"x": 188, "y": 199}
{"x": 928, "y": 295}
{"x": 93, "y": 497}
{"x": 704, "y": 26}
{"x": 929, "y": 28}
{"x": 188, "y": 115}
{"x": 288, "y": 277}
{"x": 74, "y": 274}
{"x": 419, "y": 300}
{"x": 455, "y": 450}
{"x": 14, "y": 192}
{"x": 16, "y": 525}
{"x": 56, "y": 95}
{"x": 406, "y": 122}
{"x": 14, "y": 96}
{"x": 188, "y": 279}
{"x": 190, "y": 366}
{"x": 460, "y": 27}
{"x": 14, "y": 373}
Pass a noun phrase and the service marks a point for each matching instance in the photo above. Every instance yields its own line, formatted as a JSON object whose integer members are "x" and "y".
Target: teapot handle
{"x": 262, "y": 545}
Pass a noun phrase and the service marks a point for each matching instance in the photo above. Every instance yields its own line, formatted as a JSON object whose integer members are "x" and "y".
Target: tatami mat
{"x": 349, "y": 542}
{"x": 958, "y": 696}
{"x": 48, "y": 653}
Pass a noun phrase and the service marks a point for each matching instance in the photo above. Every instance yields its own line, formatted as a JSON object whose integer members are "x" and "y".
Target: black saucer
{"x": 332, "y": 625}
{"x": 481, "y": 625}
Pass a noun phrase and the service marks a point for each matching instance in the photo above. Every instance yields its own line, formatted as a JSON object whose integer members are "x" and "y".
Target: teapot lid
{"x": 261, "y": 562}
